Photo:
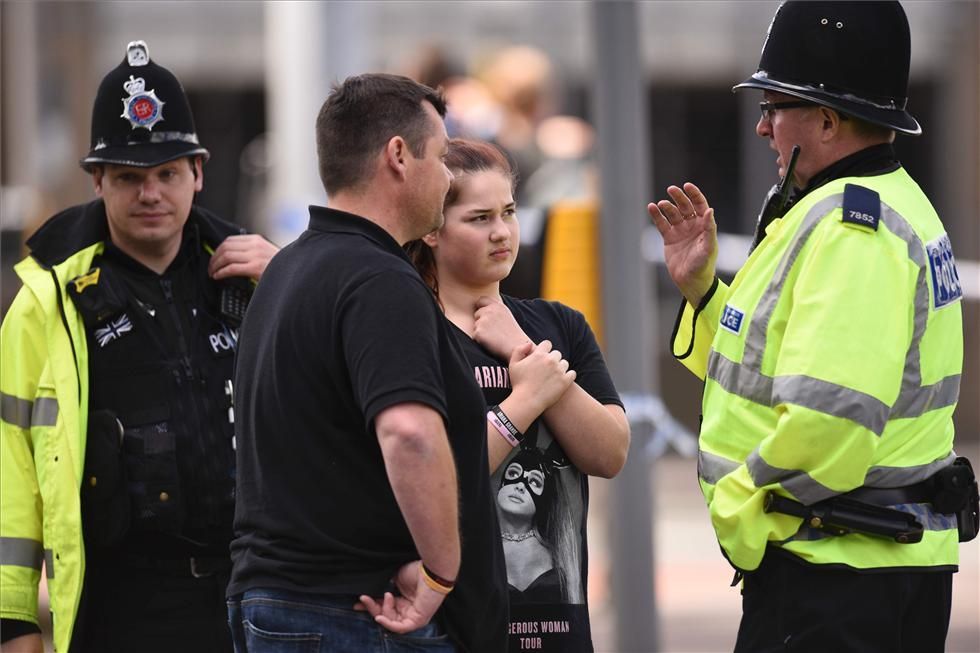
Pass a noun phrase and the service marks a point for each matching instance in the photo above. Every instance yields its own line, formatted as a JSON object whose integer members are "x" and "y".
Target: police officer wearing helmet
{"x": 832, "y": 361}
{"x": 116, "y": 449}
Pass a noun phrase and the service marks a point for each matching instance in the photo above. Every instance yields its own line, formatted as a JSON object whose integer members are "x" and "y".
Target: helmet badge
{"x": 142, "y": 108}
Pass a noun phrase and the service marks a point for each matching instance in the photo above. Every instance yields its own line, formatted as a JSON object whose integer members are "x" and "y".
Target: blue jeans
{"x": 279, "y": 621}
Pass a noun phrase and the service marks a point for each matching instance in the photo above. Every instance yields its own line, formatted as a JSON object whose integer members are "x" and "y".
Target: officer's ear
{"x": 98, "y": 171}
{"x": 197, "y": 169}
{"x": 830, "y": 123}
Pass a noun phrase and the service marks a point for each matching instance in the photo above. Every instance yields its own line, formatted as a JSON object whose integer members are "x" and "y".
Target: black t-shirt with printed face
{"x": 341, "y": 327}
{"x": 548, "y": 612}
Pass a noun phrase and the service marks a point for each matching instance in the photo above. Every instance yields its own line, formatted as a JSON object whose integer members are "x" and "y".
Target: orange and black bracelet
{"x": 435, "y": 582}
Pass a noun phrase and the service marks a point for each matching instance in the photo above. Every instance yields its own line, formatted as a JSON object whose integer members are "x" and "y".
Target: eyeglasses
{"x": 769, "y": 109}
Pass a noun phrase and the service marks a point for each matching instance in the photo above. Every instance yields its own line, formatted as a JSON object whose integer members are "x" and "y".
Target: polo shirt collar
{"x": 329, "y": 220}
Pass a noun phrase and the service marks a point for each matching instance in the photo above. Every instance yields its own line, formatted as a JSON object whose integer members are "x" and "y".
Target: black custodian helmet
{"x": 849, "y": 56}
{"x": 141, "y": 115}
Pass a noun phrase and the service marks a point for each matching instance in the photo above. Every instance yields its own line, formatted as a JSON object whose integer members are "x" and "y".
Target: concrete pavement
{"x": 697, "y": 611}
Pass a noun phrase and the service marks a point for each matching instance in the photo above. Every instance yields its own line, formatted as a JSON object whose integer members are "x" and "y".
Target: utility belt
{"x": 951, "y": 491}
{"x": 195, "y": 566}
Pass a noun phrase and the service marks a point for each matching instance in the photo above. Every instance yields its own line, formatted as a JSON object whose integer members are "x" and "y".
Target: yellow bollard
{"x": 570, "y": 268}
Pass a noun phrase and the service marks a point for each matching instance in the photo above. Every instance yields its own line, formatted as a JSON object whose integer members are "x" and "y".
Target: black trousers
{"x": 789, "y": 606}
{"x": 153, "y": 608}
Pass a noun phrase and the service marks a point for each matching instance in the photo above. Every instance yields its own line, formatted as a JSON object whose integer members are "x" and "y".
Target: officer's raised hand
{"x": 241, "y": 256}
{"x": 690, "y": 235}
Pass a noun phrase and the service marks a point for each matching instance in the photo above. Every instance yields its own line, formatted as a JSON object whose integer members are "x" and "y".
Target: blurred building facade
{"x": 256, "y": 73}
{"x": 232, "y": 57}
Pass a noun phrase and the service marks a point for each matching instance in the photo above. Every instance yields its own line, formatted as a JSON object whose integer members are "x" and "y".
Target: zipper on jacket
{"x": 185, "y": 363}
{"x": 64, "y": 322}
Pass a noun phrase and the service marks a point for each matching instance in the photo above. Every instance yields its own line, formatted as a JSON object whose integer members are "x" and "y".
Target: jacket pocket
{"x": 104, "y": 495}
{"x": 150, "y": 455}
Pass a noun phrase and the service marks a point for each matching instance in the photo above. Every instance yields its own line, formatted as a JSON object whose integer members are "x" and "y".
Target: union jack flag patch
{"x": 115, "y": 328}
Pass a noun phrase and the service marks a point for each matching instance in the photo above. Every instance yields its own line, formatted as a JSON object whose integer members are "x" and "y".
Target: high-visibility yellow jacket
{"x": 44, "y": 389}
{"x": 832, "y": 362}
{"x": 44, "y": 386}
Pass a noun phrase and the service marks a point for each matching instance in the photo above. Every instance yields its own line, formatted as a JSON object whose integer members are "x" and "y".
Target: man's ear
{"x": 396, "y": 153}
{"x": 97, "y": 173}
{"x": 830, "y": 125}
{"x": 197, "y": 167}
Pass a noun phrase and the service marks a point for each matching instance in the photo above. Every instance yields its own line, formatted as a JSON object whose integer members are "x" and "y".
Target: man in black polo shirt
{"x": 362, "y": 463}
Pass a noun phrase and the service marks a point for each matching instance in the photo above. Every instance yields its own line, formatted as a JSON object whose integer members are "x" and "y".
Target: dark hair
{"x": 468, "y": 156}
{"x": 361, "y": 115}
{"x": 465, "y": 157}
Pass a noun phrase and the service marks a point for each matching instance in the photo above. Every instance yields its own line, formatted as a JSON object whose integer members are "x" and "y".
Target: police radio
{"x": 235, "y": 295}
{"x": 776, "y": 200}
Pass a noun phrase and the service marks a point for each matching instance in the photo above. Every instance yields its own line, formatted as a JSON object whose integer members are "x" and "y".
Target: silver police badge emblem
{"x": 142, "y": 108}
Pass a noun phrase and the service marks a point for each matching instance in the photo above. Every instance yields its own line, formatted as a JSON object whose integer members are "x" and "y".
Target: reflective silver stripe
{"x": 740, "y": 380}
{"x": 712, "y": 467}
{"x": 25, "y": 414}
{"x": 918, "y": 400}
{"x": 755, "y": 339}
{"x": 809, "y": 491}
{"x": 21, "y": 552}
{"x": 49, "y": 563}
{"x": 45, "y": 412}
{"x": 826, "y": 397}
{"x": 746, "y": 380}
{"x": 15, "y": 410}
{"x": 831, "y": 399}
{"x": 888, "y": 477}
{"x": 795, "y": 481}
{"x": 913, "y": 399}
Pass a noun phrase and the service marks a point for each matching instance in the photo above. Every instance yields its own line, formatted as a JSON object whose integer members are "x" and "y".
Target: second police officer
{"x": 117, "y": 423}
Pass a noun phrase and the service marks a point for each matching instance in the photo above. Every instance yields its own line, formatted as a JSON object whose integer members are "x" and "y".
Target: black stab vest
{"x": 161, "y": 362}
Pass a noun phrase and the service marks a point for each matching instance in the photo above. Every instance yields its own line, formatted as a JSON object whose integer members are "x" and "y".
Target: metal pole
{"x": 295, "y": 88}
{"x": 19, "y": 103}
{"x": 309, "y": 46}
{"x": 628, "y": 295}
